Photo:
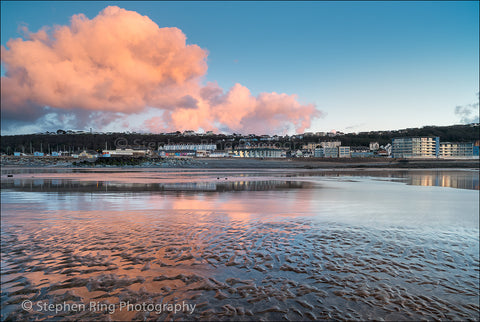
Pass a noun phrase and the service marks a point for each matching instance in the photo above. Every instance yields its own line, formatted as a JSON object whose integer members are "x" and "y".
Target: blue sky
{"x": 366, "y": 65}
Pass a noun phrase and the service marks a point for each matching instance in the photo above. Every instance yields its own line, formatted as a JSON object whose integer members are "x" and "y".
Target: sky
{"x": 238, "y": 67}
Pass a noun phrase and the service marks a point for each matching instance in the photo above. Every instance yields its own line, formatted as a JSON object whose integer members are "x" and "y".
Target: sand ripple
{"x": 265, "y": 269}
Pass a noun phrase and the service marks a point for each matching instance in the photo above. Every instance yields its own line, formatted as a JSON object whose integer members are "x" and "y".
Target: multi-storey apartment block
{"x": 416, "y": 147}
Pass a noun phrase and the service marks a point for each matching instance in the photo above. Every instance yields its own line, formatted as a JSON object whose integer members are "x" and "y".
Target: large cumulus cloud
{"x": 122, "y": 65}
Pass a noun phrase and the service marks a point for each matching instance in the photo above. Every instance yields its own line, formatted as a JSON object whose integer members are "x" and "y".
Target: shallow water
{"x": 243, "y": 245}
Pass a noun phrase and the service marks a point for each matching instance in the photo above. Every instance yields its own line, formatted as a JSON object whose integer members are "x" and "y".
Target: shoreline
{"x": 244, "y": 163}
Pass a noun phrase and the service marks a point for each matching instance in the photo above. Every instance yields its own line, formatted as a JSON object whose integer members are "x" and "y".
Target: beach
{"x": 241, "y": 244}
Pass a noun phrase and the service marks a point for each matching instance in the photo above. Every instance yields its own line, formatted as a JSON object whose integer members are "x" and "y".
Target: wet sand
{"x": 264, "y": 245}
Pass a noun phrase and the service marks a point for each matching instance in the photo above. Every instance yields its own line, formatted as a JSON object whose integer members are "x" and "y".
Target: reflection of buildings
{"x": 441, "y": 178}
{"x": 462, "y": 180}
{"x": 262, "y": 185}
{"x": 70, "y": 186}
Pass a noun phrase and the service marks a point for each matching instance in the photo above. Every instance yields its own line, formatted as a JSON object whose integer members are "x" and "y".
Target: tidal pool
{"x": 126, "y": 244}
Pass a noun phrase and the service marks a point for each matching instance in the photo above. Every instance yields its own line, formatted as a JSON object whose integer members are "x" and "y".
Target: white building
{"x": 258, "y": 153}
{"x": 218, "y": 154}
{"x": 415, "y": 147}
{"x": 125, "y": 152}
{"x": 88, "y": 154}
{"x": 344, "y": 152}
{"x": 456, "y": 150}
{"x": 332, "y": 152}
{"x": 330, "y": 144}
{"x": 310, "y": 146}
{"x": 194, "y": 147}
{"x": 329, "y": 152}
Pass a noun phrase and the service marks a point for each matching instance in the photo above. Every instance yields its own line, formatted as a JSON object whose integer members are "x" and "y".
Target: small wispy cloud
{"x": 468, "y": 113}
{"x": 355, "y": 126}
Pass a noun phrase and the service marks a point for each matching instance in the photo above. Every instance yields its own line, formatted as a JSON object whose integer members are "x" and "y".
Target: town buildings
{"x": 125, "y": 153}
{"x": 374, "y": 146}
{"x": 361, "y": 152}
{"x": 328, "y": 152}
{"x": 415, "y": 147}
{"x": 344, "y": 152}
{"x": 330, "y": 144}
{"x": 455, "y": 150}
{"x": 258, "y": 153}
{"x": 180, "y": 153}
{"x": 264, "y": 146}
{"x": 194, "y": 147}
{"x": 186, "y": 150}
{"x": 430, "y": 147}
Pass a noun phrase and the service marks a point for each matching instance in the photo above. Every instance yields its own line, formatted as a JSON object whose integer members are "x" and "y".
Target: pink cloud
{"x": 123, "y": 62}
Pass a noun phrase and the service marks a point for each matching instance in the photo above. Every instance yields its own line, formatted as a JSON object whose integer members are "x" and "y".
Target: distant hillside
{"x": 98, "y": 142}
{"x": 452, "y": 133}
